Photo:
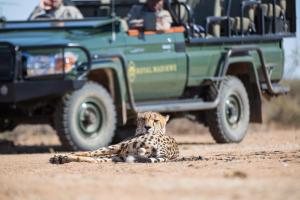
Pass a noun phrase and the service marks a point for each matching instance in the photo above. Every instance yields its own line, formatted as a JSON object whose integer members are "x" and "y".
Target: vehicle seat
{"x": 183, "y": 14}
{"x": 207, "y": 8}
{"x": 179, "y": 10}
{"x": 280, "y": 8}
{"x": 68, "y": 3}
{"x": 280, "y": 15}
{"x": 247, "y": 20}
{"x": 123, "y": 7}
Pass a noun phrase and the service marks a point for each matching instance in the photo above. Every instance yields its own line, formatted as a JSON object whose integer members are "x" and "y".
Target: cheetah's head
{"x": 151, "y": 123}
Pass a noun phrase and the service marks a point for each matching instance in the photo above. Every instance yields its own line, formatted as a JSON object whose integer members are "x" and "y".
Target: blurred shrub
{"x": 284, "y": 110}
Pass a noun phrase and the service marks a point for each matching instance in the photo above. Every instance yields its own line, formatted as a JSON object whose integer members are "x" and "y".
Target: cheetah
{"x": 149, "y": 145}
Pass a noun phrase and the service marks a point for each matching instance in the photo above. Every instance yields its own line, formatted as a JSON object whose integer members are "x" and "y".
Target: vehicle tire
{"x": 86, "y": 119}
{"x": 228, "y": 123}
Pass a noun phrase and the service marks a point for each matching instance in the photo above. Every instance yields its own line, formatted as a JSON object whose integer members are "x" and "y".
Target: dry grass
{"x": 285, "y": 110}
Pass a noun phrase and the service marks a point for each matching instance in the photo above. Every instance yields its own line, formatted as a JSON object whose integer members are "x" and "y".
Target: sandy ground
{"x": 266, "y": 165}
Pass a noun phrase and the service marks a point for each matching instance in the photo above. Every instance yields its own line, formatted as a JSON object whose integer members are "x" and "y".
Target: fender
{"x": 244, "y": 68}
{"x": 120, "y": 91}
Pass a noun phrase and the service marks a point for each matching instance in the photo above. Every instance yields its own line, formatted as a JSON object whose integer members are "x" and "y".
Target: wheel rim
{"x": 233, "y": 110}
{"x": 90, "y": 117}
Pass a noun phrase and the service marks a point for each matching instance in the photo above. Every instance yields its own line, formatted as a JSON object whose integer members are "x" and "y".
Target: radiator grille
{"x": 6, "y": 63}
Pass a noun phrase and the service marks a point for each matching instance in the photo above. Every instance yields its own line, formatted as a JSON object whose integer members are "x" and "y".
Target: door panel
{"x": 156, "y": 70}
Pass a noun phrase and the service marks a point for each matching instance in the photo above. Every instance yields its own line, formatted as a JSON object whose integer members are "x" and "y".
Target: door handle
{"x": 137, "y": 50}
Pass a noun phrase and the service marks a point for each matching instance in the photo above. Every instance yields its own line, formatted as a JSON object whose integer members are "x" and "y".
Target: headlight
{"x": 39, "y": 65}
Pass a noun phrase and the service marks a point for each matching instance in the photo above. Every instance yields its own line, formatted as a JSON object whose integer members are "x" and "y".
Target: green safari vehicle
{"x": 88, "y": 78}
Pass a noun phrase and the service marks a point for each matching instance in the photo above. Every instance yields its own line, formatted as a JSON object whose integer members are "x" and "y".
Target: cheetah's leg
{"x": 144, "y": 159}
{"x": 145, "y": 156}
{"x": 162, "y": 155}
{"x": 61, "y": 159}
{"x": 158, "y": 159}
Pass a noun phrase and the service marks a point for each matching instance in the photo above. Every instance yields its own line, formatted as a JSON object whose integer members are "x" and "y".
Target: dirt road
{"x": 266, "y": 165}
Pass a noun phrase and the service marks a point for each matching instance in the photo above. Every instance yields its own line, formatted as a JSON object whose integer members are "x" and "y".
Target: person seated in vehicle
{"x": 150, "y": 17}
{"x": 54, "y": 9}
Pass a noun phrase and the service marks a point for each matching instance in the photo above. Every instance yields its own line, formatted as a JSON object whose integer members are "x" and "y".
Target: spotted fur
{"x": 149, "y": 145}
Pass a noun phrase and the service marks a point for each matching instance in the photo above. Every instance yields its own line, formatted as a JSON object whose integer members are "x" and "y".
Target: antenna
{"x": 113, "y": 15}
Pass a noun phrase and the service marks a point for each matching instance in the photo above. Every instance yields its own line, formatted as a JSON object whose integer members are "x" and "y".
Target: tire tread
{"x": 214, "y": 117}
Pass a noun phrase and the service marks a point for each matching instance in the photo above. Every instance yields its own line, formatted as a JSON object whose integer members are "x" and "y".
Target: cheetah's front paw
{"x": 59, "y": 159}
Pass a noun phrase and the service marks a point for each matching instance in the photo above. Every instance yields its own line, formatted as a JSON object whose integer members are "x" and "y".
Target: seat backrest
{"x": 206, "y": 8}
{"x": 123, "y": 6}
{"x": 280, "y": 7}
{"x": 281, "y": 3}
{"x": 216, "y": 29}
{"x": 235, "y": 10}
{"x": 102, "y": 8}
{"x": 68, "y": 3}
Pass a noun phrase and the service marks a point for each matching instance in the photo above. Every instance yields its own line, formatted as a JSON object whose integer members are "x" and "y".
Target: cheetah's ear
{"x": 167, "y": 118}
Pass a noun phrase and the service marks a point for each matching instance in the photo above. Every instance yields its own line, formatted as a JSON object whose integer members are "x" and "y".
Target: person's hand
{"x": 46, "y": 4}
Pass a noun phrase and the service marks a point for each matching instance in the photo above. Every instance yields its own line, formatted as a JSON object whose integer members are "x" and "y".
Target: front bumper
{"x": 14, "y": 92}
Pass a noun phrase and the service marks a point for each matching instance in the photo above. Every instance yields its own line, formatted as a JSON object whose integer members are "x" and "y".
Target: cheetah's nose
{"x": 147, "y": 127}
